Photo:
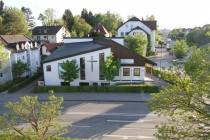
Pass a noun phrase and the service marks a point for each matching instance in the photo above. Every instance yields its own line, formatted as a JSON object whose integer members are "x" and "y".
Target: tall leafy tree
{"x": 14, "y": 21}
{"x": 19, "y": 68}
{"x": 97, "y": 18}
{"x": 111, "y": 22}
{"x": 29, "y": 18}
{"x": 68, "y": 19}
{"x": 110, "y": 68}
{"x": 180, "y": 49}
{"x": 1, "y": 7}
{"x": 48, "y": 18}
{"x": 81, "y": 27}
{"x": 39, "y": 115}
{"x": 136, "y": 43}
{"x": 70, "y": 70}
{"x": 4, "y": 54}
{"x": 86, "y": 15}
{"x": 186, "y": 102}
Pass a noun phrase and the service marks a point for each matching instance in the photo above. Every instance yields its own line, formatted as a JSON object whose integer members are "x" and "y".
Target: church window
{"x": 48, "y": 67}
{"x": 136, "y": 72}
{"x": 59, "y": 70}
{"x": 126, "y": 71}
{"x": 82, "y": 68}
{"x": 101, "y": 60}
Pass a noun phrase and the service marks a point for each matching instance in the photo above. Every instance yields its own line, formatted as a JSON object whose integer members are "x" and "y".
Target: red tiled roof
{"x": 99, "y": 27}
{"x": 51, "y": 47}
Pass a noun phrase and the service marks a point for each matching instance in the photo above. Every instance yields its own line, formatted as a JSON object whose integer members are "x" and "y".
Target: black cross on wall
{"x": 91, "y": 63}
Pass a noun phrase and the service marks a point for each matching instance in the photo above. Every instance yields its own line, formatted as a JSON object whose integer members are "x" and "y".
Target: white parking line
{"x": 109, "y": 114}
{"x": 129, "y": 128}
{"x": 127, "y": 137}
{"x": 138, "y": 121}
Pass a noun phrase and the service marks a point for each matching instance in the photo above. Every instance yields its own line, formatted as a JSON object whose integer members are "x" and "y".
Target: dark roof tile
{"x": 51, "y": 30}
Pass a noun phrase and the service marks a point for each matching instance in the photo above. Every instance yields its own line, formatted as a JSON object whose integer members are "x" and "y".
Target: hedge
{"x": 19, "y": 137}
{"x": 11, "y": 83}
{"x": 20, "y": 85}
{"x": 135, "y": 88}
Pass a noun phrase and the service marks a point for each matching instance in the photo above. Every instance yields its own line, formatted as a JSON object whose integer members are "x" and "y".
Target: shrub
{"x": 19, "y": 85}
{"x": 168, "y": 49}
{"x": 150, "y": 53}
{"x": 135, "y": 88}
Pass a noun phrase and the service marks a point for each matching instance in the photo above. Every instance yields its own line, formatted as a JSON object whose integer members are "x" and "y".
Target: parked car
{"x": 181, "y": 61}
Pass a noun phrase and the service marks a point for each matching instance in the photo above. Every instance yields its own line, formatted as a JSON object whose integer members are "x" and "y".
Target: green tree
{"x": 150, "y": 18}
{"x": 73, "y": 34}
{"x": 14, "y": 21}
{"x": 98, "y": 18}
{"x": 40, "y": 117}
{"x": 111, "y": 22}
{"x": 110, "y": 68}
{"x": 1, "y": 8}
{"x": 68, "y": 19}
{"x": 4, "y": 54}
{"x": 180, "y": 49}
{"x": 70, "y": 70}
{"x": 48, "y": 18}
{"x": 29, "y": 18}
{"x": 186, "y": 102}
{"x": 19, "y": 68}
{"x": 136, "y": 43}
{"x": 81, "y": 27}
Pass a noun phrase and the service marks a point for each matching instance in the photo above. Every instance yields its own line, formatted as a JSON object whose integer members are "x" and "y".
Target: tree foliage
{"x": 39, "y": 116}
{"x": 186, "y": 102}
{"x": 81, "y": 27}
{"x": 70, "y": 70}
{"x": 19, "y": 68}
{"x": 136, "y": 43}
{"x": 110, "y": 68}
{"x": 4, "y": 54}
{"x": 86, "y": 15}
{"x": 68, "y": 19}
{"x": 29, "y": 18}
{"x": 14, "y": 21}
{"x": 48, "y": 18}
{"x": 180, "y": 49}
{"x": 1, "y": 8}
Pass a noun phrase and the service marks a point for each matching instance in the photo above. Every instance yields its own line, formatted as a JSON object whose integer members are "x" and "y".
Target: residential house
{"x": 22, "y": 48}
{"x": 99, "y": 28}
{"x": 49, "y": 34}
{"x": 48, "y": 48}
{"x": 135, "y": 25}
{"x": 90, "y": 53}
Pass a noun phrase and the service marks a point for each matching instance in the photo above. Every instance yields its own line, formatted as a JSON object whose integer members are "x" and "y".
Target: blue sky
{"x": 169, "y": 14}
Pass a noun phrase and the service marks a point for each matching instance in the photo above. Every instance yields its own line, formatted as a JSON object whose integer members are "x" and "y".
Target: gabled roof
{"x": 6, "y": 39}
{"x": 51, "y": 47}
{"x": 136, "y": 28}
{"x": 150, "y": 24}
{"x": 13, "y": 49}
{"x": 99, "y": 27}
{"x": 51, "y": 30}
{"x": 73, "y": 49}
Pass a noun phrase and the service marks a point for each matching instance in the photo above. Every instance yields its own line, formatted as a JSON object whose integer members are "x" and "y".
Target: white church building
{"x": 89, "y": 54}
{"x": 135, "y": 25}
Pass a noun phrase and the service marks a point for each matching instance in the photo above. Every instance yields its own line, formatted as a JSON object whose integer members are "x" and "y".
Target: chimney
{"x": 17, "y": 47}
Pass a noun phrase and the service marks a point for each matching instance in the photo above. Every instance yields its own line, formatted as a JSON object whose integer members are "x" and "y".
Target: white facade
{"x": 130, "y": 25}
{"x": 5, "y": 70}
{"x": 90, "y": 76}
{"x": 119, "y": 40}
{"x": 54, "y": 38}
{"x": 45, "y": 51}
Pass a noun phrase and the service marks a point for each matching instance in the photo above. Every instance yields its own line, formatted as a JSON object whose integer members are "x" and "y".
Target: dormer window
{"x": 94, "y": 30}
{"x": 45, "y": 31}
{"x": 98, "y": 30}
{"x": 40, "y": 31}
